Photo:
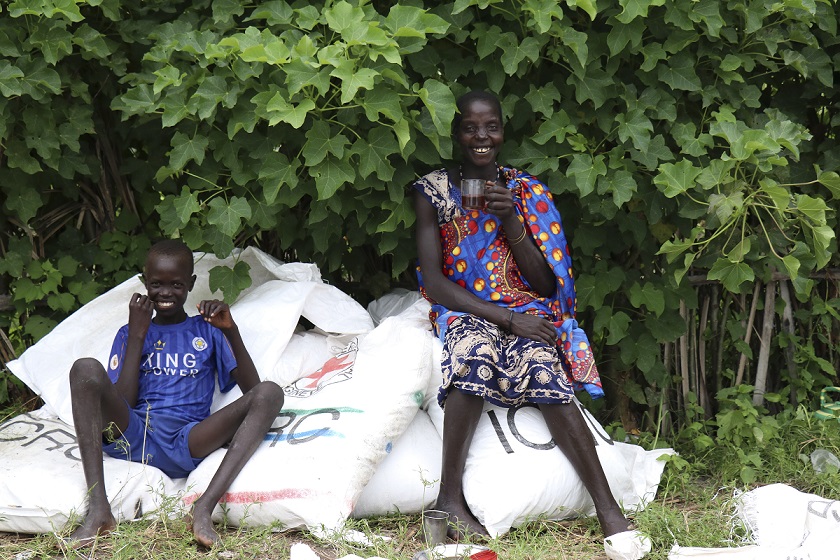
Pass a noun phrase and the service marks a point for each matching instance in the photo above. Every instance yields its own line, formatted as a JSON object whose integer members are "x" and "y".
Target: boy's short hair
{"x": 171, "y": 248}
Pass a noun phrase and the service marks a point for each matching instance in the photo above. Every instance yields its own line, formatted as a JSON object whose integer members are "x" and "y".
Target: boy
{"x": 153, "y": 404}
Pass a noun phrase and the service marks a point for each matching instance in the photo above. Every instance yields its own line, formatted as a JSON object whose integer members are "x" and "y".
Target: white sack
{"x": 786, "y": 524}
{"x": 267, "y": 314}
{"x": 408, "y": 479}
{"x": 542, "y": 482}
{"x": 42, "y": 483}
{"x": 392, "y": 304}
{"x": 335, "y": 428}
{"x": 266, "y": 324}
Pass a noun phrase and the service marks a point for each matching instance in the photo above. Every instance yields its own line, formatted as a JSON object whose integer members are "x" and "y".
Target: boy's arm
{"x": 217, "y": 313}
{"x": 139, "y": 317}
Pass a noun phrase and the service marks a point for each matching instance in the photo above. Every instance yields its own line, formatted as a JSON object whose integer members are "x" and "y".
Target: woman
{"x": 502, "y": 294}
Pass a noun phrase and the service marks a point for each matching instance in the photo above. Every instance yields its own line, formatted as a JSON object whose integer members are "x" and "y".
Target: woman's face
{"x": 480, "y": 134}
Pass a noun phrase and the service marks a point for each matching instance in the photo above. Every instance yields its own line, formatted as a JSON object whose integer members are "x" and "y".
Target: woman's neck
{"x": 487, "y": 172}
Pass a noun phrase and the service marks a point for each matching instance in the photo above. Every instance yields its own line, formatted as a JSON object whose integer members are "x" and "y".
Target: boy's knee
{"x": 87, "y": 372}
{"x": 268, "y": 394}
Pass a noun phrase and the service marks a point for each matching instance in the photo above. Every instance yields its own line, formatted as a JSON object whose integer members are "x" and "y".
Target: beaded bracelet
{"x": 518, "y": 239}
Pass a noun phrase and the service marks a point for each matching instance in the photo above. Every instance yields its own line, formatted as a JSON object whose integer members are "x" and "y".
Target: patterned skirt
{"x": 502, "y": 368}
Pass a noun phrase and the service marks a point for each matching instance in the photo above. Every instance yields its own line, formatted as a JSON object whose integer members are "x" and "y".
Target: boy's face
{"x": 168, "y": 280}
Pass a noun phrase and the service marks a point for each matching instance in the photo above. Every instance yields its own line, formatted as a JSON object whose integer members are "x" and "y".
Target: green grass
{"x": 694, "y": 507}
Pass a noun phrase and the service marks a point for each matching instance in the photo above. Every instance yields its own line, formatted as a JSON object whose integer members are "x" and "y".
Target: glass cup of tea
{"x": 472, "y": 194}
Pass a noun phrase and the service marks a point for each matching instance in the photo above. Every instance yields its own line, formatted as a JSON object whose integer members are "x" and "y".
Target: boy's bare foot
{"x": 462, "y": 523}
{"x": 201, "y": 526}
{"x": 93, "y": 526}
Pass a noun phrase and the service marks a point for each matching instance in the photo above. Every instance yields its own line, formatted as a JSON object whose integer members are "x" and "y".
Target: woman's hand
{"x": 500, "y": 202}
{"x": 533, "y": 327}
{"x": 217, "y": 313}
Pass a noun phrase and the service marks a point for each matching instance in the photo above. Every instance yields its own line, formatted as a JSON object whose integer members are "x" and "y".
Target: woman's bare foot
{"x": 94, "y": 525}
{"x": 462, "y": 522}
{"x": 613, "y": 523}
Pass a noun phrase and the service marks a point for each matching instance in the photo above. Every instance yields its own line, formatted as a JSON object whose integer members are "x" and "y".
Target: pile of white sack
{"x": 359, "y": 433}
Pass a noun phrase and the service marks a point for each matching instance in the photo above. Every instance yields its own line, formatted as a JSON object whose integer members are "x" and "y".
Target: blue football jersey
{"x": 178, "y": 367}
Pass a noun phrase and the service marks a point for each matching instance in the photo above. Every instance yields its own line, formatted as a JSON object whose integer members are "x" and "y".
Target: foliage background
{"x": 691, "y": 146}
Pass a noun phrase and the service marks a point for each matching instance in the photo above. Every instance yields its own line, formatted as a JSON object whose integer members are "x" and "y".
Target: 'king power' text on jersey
{"x": 178, "y": 367}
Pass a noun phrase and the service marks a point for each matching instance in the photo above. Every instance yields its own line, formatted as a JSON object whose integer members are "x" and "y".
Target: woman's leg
{"x": 460, "y": 420}
{"x": 571, "y": 434}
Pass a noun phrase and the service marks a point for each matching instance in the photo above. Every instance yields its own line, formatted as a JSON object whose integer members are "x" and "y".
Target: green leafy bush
{"x": 683, "y": 140}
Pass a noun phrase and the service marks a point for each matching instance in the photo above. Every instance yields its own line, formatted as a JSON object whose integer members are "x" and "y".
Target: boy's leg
{"x": 571, "y": 434}
{"x": 460, "y": 419}
{"x": 96, "y": 404}
{"x": 244, "y": 424}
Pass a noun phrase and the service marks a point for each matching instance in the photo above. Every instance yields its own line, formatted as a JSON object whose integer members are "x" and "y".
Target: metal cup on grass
{"x": 435, "y": 525}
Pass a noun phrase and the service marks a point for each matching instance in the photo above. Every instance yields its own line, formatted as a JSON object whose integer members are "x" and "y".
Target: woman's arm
{"x": 454, "y": 297}
{"x": 528, "y": 257}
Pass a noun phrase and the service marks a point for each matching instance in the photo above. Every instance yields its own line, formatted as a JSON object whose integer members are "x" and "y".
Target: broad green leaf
{"x": 275, "y": 12}
{"x": 648, "y": 295}
{"x": 543, "y": 12}
{"x": 279, "y": 110}
{"x": 300, "y": 74}
{"x": 576, "y": 41}
{"x": 537, "y": 159}
{"x": 185, "y": 149}
{"x": 511, "y": 57}
{"x": 679, "y": 73}
{"x": 740, "y": 251}
{"x": 411, "y": 21}
{"x": 382, "y": 101}
{"x": 673, "y": 249}
{"x": 632, "y": 9}
{"x": 821, "y": 237}
{"x": 831, "y": 180}
{"x": 22, "y": 201}
{"x": 791, "y": 265}
{"x": 585, "y": 170}
{"x": 724, "y": 205}
{"x": 225, "y": 10}
{"x": 353, "y": 79}
{"x": 330, "y": 175}
{"x": 617, "y": 327}
{"x": 275, "y": 173}
{"x": 812, "y": 207}
{"x": 373, "y": 155}
{"x": 228, "y": 216}
{"x": 53, "y": 39}
{"x": 708, "y": 12}
{"x": 676, "y": 178}
{"x": 622, "y": 35}
{"x": 555, "y": 128}
{"x": 779, "y": 195}
{"x": 596, "y": 86}
{"x": 752, "y": 141}
{"x": 321, "y": 140}
{"x": 623, "y": 186}
{"x": 542, "y": 99}
{"x": 438, "y": 99}
{"x": 731, "y": 274}
{"x": 10, "y": 79}
{"x": 636, "y": 126}
{"x": 183, "y": 207}
{"x": 587, "y": 6}
{"x": 230, "y": 281}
